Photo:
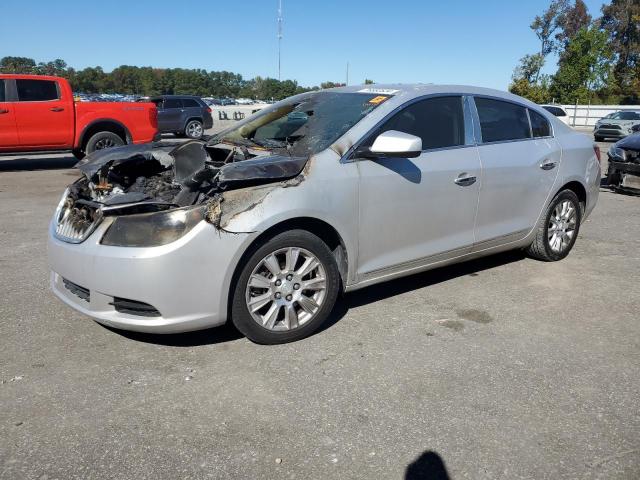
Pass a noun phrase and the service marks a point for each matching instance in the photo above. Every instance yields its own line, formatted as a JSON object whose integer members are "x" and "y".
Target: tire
{"x": 194, "y": 129}
{"x": 102, "y": 140}
{"x": 278, "y": 316}
{"x": 558, "y": 246}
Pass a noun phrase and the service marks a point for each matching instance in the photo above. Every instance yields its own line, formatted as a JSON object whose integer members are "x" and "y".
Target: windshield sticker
{"x": 386, "y": 91}
{"x": 378, "y": 100}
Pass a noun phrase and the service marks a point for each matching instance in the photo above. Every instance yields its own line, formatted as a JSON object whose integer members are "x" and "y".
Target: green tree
{"x": 368, "y": 81}
{"x": 17, "y": 65}
{"x": 621, "y": 19}
{"x": 585, "y": 66}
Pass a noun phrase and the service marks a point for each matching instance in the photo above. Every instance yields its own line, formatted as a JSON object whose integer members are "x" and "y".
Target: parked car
{"x": 38, "y": 113}
{"x": 322, "y": 193}
{"x": 558, "y": 112}
{"x": 183, "y": 115}
{"x": 616, "y": 125}
{"x": 624, "y": 161}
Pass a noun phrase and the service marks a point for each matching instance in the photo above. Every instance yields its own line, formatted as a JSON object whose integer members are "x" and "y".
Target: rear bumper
{"x": 186, "y": 281}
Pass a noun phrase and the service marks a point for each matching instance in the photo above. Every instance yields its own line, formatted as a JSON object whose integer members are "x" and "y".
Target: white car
{"x": 558, "y": 112}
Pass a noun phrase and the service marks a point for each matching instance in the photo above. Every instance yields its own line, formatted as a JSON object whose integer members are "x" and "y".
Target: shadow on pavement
{"x": 374, "y": 293}
{"x": 37, "y": 163}
{"x": 210, "y": 336}
{"x": 428, "y": 466}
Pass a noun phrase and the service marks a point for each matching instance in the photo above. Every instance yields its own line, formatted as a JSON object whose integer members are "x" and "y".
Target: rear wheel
{"x": 558, "y": 228}
{"x": 102, "y": 140}
{"x": 286, "y": 289}
{"x": 194, "y": 129}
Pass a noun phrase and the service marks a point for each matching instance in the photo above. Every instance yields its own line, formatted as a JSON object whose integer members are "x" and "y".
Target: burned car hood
{"x": 178, "y": 174}
{"x": 632, "y": 142}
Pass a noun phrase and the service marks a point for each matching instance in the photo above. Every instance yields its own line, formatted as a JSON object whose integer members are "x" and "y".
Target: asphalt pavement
{"x": 503, "y": 367}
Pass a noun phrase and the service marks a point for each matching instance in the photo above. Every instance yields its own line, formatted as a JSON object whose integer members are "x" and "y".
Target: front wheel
{"x": 558, "y": 228}
{"x": 194, "y": 129}
{"x": 286, "y": 289}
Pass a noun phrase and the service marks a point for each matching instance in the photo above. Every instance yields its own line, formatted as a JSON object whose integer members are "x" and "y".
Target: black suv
{"x": 183, "y": 115}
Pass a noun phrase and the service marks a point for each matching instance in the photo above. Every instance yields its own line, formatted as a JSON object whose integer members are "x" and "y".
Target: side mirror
{"x": 393, "y": 143}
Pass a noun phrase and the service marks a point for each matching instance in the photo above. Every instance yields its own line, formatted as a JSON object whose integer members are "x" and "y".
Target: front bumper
{"x": 609, "y": 133}
{"x": 624, "y": 167}
{"x": 186, "y": 281}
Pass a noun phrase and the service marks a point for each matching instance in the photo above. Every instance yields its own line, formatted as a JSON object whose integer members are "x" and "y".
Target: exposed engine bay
{"x": 159, "y": 176}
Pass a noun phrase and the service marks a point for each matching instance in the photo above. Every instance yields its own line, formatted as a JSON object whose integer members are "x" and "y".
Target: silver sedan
{"x": 266, "y": 223}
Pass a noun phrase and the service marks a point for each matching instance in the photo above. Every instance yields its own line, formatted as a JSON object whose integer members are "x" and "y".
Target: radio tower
{"x": 279, "y": 34}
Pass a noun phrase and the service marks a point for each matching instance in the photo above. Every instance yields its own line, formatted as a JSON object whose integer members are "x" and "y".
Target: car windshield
{"x": 625, "y": 116}
{"x": 303, "y": 125}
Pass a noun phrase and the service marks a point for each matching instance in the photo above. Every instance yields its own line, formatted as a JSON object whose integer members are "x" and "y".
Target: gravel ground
{"x": 503, "y": 367}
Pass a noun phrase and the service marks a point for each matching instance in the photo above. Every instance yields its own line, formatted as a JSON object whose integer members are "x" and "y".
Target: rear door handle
{"x": 57, "y": 109}
{"x": 548, "y": 165}
{"x": 464, "y": 180}
{"x": 3, "y": 110}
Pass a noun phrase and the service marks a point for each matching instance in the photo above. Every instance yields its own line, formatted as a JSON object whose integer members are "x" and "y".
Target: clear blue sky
{"x": 455, "y": 41}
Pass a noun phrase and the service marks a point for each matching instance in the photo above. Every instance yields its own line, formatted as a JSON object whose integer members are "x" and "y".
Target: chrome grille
{"x": 76, "y": 220}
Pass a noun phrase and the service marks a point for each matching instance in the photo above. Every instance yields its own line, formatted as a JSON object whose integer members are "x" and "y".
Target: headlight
{"x": 152, "y": 229}
{"x": 617, "y": 152}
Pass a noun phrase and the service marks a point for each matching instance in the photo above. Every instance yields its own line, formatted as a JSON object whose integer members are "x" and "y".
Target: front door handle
{"x": 3, "y": 110}
{"x": 57, "y": 109}
{"x": 548, "y": 165}
{"x": 464, "y": 180}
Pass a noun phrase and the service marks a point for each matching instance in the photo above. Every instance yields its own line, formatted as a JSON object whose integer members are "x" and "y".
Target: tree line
{"x": 598, "y": 57}
{"x": 127, "y": 79}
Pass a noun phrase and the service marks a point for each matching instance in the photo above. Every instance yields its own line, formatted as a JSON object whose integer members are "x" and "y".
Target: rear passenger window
{"x": 172, "y": 103}
{"x": 2, "y": 97}
{"x": 37, "y": 90}
{"x": 438, "y": 121}
{"x": 189, "y": 102}
{"x": 501, "y": 121}
{"x": 539, "y": 125}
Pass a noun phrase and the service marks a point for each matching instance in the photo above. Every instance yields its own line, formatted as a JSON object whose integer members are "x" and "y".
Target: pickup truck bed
{"x": 38, "y": 113}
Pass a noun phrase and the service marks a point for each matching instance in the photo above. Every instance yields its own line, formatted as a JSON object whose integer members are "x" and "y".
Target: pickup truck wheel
{"x": 102, "y": 140}
{"x": 194, "y": 129}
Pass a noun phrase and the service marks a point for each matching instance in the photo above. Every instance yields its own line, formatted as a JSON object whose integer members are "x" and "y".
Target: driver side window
{"x": 438, "y": 121}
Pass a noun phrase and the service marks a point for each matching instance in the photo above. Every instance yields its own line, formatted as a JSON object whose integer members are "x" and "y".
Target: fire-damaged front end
{"x": 167, "y": 201}
{"x": 623, "y": 171}
{"x": 150, "y": 237}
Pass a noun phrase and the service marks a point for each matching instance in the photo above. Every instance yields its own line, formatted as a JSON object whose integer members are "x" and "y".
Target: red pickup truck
{"x": 38, "y": 113}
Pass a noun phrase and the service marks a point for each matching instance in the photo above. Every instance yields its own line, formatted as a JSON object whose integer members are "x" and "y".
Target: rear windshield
{"x": 304, "y": 124}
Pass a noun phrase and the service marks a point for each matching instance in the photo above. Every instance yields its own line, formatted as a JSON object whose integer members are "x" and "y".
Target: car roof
{"x": 409, "y": 91}
{"x": 162, "y": 97}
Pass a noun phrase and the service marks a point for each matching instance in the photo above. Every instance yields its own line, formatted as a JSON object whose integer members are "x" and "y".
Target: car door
{"x": 43, "y": 118}
{"x": 518, "y": 170}
{"x": 170, "y": 116}
{"x": 8, "y": 131}
{"x": 192, "y": 109}
{"x": 413, "y": 211}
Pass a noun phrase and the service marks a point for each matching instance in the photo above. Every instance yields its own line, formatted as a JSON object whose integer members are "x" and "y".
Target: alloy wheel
{"x": 194, "y": 130}
{"x": 562, "y": 226}
{"x": 286, "y": 289}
